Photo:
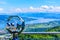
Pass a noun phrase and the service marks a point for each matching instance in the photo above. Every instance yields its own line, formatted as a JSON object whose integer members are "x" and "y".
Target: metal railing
{"x": 42, "y": 39}
{"x": 53, "y": 38}
{"x": 7, "y": 38}
{"x": 40, "y": 32}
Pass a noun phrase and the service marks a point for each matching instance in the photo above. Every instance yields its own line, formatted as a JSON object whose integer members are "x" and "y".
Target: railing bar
{"x": 40, "y": 32}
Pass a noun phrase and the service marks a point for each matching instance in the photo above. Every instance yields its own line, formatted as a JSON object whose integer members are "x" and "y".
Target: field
{"x": 42, "y": 36}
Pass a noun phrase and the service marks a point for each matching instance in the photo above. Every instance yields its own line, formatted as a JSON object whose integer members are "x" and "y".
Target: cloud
{"x": 13, "y": 10}
{"x": 18, "y": 10}
{"x": 31, "y": 8}
{"x": 50, "y": 8}
{"x": 1, "y": 9}
{"x": 42, "y": 8}
{"x": 45, "y": 8}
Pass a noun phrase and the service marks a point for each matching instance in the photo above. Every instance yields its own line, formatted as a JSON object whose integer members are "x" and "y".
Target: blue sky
{"x": 12, "y": 6}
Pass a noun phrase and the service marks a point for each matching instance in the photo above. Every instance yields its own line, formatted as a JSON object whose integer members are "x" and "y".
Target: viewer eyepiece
{"x": 12, "y": 24}
{"x": 8, "y": 24}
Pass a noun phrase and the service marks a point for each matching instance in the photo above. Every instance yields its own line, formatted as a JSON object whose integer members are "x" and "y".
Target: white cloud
{"x": 43, "y": 8}
{"x": 50, "y": 8}
{"x": 1, "y": 9}
{"x": 18, "y": 10}
{"x": 31, "y": 8}
{"x": 13, "y": 10}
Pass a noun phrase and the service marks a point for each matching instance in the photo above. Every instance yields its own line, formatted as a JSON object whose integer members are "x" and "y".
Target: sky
{"x": 16, "y": 6}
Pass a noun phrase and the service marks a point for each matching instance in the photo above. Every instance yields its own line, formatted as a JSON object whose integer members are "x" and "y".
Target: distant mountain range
{"x": 44, "y": 15}
{"x": 52, "y": 19}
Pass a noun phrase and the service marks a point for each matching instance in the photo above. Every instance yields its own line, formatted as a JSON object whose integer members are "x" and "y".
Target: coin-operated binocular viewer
{"x": 15, "y": 29}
